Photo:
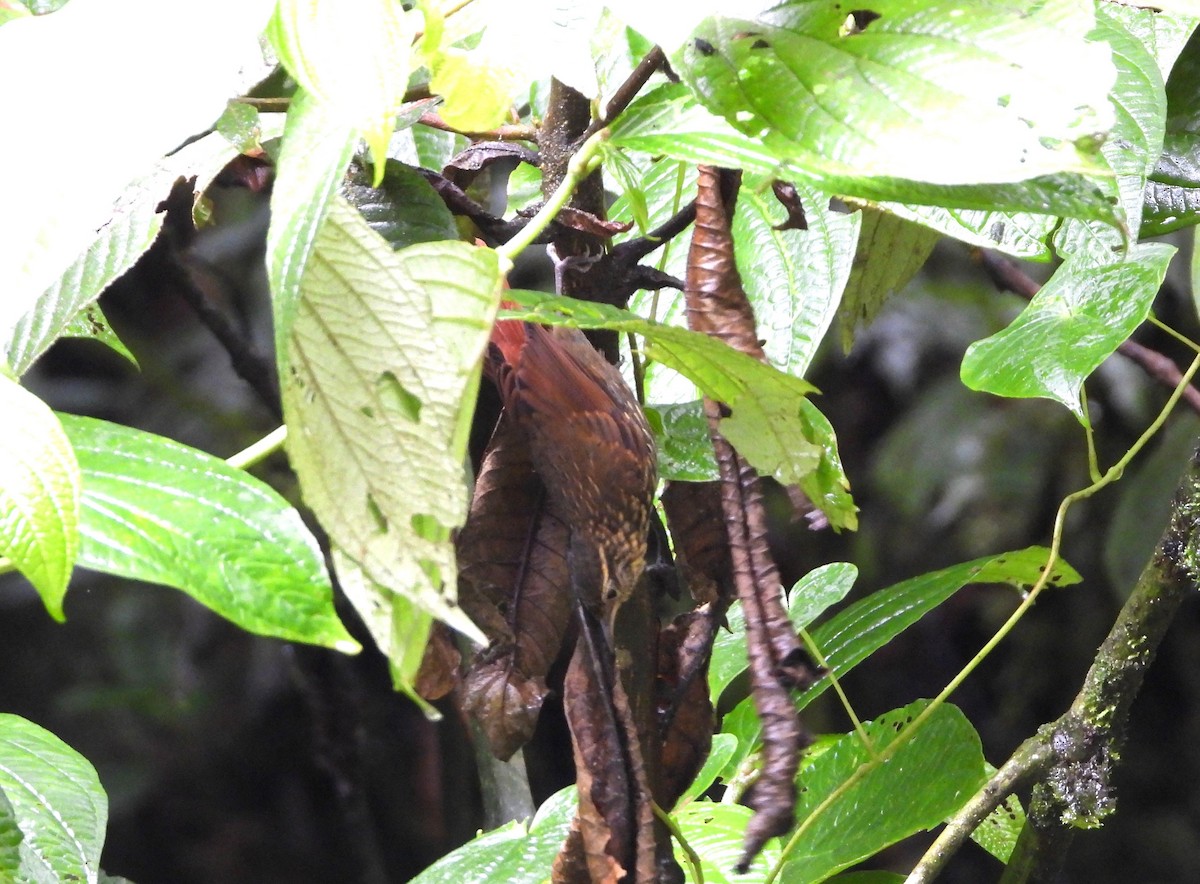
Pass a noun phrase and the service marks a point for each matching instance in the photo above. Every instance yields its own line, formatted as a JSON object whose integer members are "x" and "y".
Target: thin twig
{"x": 258, "y": 451}
{"x": 633, "y": 250}
{"x": 510, "y": 132}
{"x": 628, "y": 90}
{"x": 1007, "y": 275}
{"x": 689, "y": 852}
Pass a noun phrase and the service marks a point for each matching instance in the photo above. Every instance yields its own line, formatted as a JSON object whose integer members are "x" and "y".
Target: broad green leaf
{"x": 1135, "y": 142}
{"x": 518, "y": 853}
{"x": 400, "y": 629}
{"x": 12, "y": 9}
{"x": 58, "y": 803}
{"x": 890, "y": 252}
{"x": 935, "y": 771}
{"x": 1074, "y": 323}
{"x": 716, "y": 833}
{"x": 927, "y": 91}
{"x": 723, "y": 748}
{"x": 668, "y": 121}
{"x": 1021, "y": 234}
{"x": 669, "y": 24}
{"x": 159, "y": 511}
{"x": 10, "y": 839}
{"x": 352, "y": 57}
{"x": 685, "y": 450}
{"x": 39, "y": 495}
{"x": 134, "y": 224}
{"x": 816, "y": 591}
{"x": 1172, "y": 197}
{"x": 384, "y": 356}
{"x": 772, "y": 424}
{"x": 132, "y": 113}
{"x": 866, "y": 626}
{"x": 315, "y": 151}
{"x": 998, "y": 832}
{"x": 868, "y": 878}
{"x": 404, "y": 209}
{"x": 793, "y": 278}
{"x": 90, "y": 322}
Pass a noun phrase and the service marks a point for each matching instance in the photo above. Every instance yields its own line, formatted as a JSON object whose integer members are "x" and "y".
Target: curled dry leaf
{"x": 717, "y": 305}
{"x": 514, "y": 583}
{"x": 697, "y": 525}
{"x": 685, "y": 711}
{"x": 616, "y": 819}
{"x": 438, "y": 674}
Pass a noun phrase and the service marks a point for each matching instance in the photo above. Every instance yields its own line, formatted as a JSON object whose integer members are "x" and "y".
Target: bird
{"x": 592, "y": 448}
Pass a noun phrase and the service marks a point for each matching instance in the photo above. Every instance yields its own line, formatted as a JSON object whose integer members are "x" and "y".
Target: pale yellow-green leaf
{"x": 476, "y": 93}
{"x": 39, "y": 494}
{"x": 399, "y": 628}
{"x": 384, "y": 355}
{"x": 353, "y": 57}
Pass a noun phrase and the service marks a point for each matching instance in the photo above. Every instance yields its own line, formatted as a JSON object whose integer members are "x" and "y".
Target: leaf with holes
{"x": 39, "y": 495}
{"x": 384, "y": 356}
{"x": 155, "y": 510}
{"x": 715, "y": 832}
{"x": 57, "y": 802}
{"x": 843, "y": 92}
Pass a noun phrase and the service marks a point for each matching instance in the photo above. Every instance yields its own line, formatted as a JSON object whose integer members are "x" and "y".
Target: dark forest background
{"x": 229, "y": 758}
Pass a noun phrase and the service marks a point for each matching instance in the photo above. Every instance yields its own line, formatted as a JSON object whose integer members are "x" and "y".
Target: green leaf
{"x": 517, "y": 853}
{"x": 668, "y": 121}
{"x": 1136, "y": 139}
{"x": 159, "y": 511}
{"x": 1172, "y": 196}
{"x": 128, "y": 233}
{"x": 998, "y": 832}
{"x": 385, "y": 354}
{"x": 841, "y": 95}
{"x": 817, "y": 590}
{"x": 716, "y": 833}
{"x": 240, "y": 125}
{"x": 404, "y": 209}
{"x": 793, "y": 278}
{"x": 10, "y": 839}
{"x": 39, "y": 495}
{"x": 723, "y": 748}
{"x": 133, "y": 116}
{"x": 1021, "y": 234}
{"x": 866, "y": 626}
{"x": 476, "y": 92}
{"x": 90, "y": 322}
{"x": 400, "y": 629}
{"x": 1074, "y": 323}
{"x": 772, "y": 424}
{"x": 867, "y": 878}
{"x": 890, "y": 253}
{"x": 354, "y": 59}
{"x": 312, "y": 158}
{"x": 58, "y": 803}
{"x": 685, "y": 450}
{"x": 936, "y": 771}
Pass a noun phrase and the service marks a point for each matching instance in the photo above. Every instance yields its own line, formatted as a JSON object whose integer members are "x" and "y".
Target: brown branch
{"x": 1006, "y": 275}
{"x": 510, "y": 132}
{"x": 1075, "y": 755}
{"x": 628, "y": 90}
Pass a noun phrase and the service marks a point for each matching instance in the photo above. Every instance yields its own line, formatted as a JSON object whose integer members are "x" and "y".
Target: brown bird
{"x": 590, "y": 445}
